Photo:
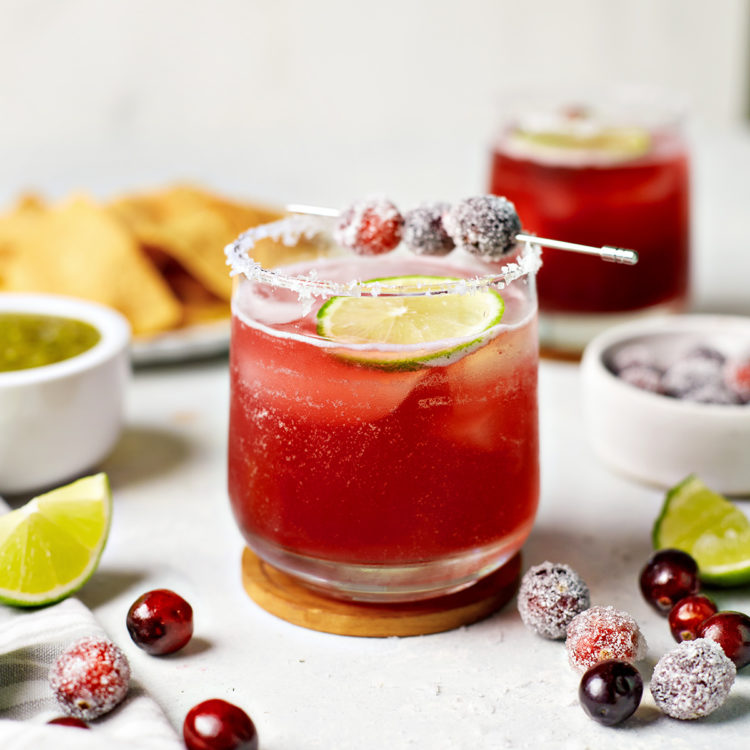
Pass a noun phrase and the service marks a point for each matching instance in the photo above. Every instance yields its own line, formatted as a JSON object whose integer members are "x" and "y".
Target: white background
{"x": 291, "y": 100}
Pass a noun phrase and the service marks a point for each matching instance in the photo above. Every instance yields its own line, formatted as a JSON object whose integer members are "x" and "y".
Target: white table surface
{"x": 490, "y": 685}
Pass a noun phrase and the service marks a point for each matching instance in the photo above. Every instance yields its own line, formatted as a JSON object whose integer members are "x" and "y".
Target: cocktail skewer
{"x": 301, "y": 208}
{"x": 606, "y": 252}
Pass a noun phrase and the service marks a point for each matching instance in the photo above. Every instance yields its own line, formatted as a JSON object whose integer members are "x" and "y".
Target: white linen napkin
{"x": 30, "y": 642}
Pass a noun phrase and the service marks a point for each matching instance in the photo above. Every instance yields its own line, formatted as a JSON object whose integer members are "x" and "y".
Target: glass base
{"x": 565, "y": 335}
{"x": 391, "y": 583}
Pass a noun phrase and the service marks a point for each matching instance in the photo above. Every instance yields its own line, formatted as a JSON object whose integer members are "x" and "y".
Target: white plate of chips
{"x": 184, "y": 344}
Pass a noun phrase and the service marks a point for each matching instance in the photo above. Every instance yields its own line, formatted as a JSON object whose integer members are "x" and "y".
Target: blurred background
{"x": 288, "y": 100}
{"x": 292, "y": 100}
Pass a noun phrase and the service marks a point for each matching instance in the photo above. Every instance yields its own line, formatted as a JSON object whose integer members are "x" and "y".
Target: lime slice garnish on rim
{"x": 710, "y": 528}
{"x": 51, "y": 546}
{"x": 418, "y": 323}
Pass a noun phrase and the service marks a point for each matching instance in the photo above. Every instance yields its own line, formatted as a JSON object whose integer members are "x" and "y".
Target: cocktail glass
{"x": 374, "y": 471}
{"x": 601, "y": 166}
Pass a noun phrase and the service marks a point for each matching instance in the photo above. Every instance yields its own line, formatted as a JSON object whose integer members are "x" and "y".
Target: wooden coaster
{"x": 281, "y": 595}
{"x": 560, "y": 355}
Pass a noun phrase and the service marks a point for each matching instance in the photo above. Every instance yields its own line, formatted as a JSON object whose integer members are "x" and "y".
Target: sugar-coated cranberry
{"x": 690, "y": 374}
{"x": 424, "y": 232}
{"x": 160, "y": 622}
{"x": 711, "y": 393}
{"x": 610, "y": 691}
{"x": 69, "y": 721}
{"x": 686, "y": 617}
{"x": 692, "y": 680}
{"x": 219, "y": 725}
{"x": 631, "y": 355}
{"x": 485, "y": 225}
{"x": 549, "y": 597}
{"x": 705, "y": 351}
{"x": 602, "y": 633}
{"x": 643, "y": 377}
{"x": 90, "y": 678}
{"x": 670, "y": 575}
{"x": 370, "y": 227}
{"x": 731, "y": 630}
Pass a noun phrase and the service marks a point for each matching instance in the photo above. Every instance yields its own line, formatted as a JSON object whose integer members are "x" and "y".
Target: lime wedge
{"x": 424, "y": 323}
{"x": 710, "y": 528}
{"x": 51, "y": 546}
{"x": 612, "y": 144}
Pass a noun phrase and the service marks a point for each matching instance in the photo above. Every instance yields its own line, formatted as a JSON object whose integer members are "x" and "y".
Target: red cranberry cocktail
{"x": 383, "y": 440}
{"x": 613, "y": 172}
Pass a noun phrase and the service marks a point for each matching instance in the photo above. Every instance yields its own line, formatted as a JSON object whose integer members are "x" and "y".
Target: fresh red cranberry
{"x": 688, "y": 615}
{"x": 737, "y": 377}
{"x": 610, "y": 691}
{"x": 218, "y": 725}
{"x": 731, "y": 630}
{"x": 160, "y": 622}
{"x": 69, "y": 721}
{"x": 670, "y": 575}
{"x": 90, "y": 678}
{"x": 370, "y": 227}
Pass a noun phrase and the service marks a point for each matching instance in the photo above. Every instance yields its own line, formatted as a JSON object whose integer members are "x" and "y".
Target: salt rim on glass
{"x": 292, "y": 228}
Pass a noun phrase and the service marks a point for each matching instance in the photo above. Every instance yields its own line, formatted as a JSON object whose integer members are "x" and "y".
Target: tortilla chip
{"x": 193, "y": 227}
{"x": 158, "y": 257}
{"x": 79, "y": 249}
{"x": 199, "y": 305}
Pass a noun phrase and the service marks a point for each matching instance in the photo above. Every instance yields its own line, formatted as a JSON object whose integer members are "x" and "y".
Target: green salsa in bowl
{"x": 33, "y": 340}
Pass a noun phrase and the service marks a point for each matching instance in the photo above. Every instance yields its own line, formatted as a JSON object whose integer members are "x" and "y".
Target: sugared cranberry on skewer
{"x": 424, "y": 232}
{"x": 371, "y": 226}
{"x": 485, "y": 225}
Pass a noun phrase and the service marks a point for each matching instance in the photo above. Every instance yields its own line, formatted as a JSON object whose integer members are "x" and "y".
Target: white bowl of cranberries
{"x": 668, "y": 397}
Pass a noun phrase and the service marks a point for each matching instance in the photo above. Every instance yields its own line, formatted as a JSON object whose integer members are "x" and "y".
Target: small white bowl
{"x": 658, "y": 439}
{"x": 59, "y": 420}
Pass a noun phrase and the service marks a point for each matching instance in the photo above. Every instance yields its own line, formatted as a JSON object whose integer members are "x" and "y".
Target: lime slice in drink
{"x": 403, "y": 332}
{"x": 585, "y": 142}
{"x": 51, "y": 546}
{"x": 710, "y": 528}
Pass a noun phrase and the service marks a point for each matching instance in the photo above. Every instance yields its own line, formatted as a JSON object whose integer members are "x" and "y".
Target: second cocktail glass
{"x": 595, "y": 168}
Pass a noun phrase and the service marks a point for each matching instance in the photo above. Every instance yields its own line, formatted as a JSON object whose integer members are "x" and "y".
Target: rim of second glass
{"x": 627, "y": 103}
